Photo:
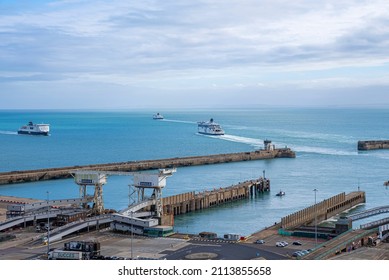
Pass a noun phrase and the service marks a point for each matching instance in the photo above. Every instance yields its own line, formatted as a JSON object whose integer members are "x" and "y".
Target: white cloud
{"x": 186, "y": 45}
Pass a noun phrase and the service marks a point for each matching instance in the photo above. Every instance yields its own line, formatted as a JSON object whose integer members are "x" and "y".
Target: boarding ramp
{"x": 58, "y": 233}
{"x": 38, "y": 205}
{"x": 375, "y": 224}
{"x": 369, "y": 213}
{"x": 136, "y": 207}
{"x": 9, "y": 223}
{"x": 343, "y": 241}
{"x": 120, "y": 220}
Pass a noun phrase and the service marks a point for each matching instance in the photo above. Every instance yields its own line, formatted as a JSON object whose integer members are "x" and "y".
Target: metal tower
{"x": 142, "y": 181}
{"x": 96, "y": 179}
{"x": 154, "y": 181}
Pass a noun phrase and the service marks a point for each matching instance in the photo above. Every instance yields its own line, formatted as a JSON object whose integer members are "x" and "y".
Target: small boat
{"x": 157, "y": 116}
{"x": 35, "y": 129}
{"x": 280, "y": 193}
{"x": 209, "y": 128}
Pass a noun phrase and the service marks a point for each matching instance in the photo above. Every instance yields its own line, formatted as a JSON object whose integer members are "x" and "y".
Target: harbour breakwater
{"x": 66, "y": 172}
{"x": 373, "y": 145}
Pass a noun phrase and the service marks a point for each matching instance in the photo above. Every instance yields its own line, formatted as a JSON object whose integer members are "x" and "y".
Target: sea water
{"x": 325, "y": 142}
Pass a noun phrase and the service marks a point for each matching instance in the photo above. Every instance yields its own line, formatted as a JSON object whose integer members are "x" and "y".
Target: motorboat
{"x": 280, "y": 193}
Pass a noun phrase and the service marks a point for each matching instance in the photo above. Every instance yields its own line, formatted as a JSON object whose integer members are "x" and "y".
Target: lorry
{"x": 76, "y": 250}
{"x": 231, "y": 237}
{"x": 65, "y": 255}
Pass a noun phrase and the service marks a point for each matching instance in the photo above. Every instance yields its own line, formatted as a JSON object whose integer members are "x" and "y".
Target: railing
{"x": 375, "y": 223}
{"x": 343, "y": 244}
{"x": 369, "y": 213}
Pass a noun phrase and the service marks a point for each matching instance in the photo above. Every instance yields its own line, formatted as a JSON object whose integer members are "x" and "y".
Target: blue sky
{"x": 183, "y": 54}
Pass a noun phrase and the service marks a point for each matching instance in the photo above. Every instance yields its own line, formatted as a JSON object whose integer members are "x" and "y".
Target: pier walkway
{"x": 343, "y": 242}
{"x": 369, "y": 213}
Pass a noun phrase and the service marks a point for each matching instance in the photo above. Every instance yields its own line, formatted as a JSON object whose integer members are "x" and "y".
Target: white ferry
{"x": 157, "y": 116}
{"x": 209, "y": 128}
{"x": 35, "y": 129}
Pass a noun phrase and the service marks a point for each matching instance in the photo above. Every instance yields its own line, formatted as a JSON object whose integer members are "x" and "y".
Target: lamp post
{"x": 48, "y": 225}
{"x": 315, "y": 190}
{"x": 132, "y": 234}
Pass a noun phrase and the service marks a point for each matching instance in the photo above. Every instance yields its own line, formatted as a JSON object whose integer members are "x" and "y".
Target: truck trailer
{"x": 65, "y": 255}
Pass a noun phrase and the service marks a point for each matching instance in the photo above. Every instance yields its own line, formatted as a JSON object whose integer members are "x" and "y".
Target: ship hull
{"x": 42, "y": 133}
{"x": 210, "y": 133}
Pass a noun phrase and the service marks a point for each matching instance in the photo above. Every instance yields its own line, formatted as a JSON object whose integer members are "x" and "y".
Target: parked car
{"x": 260, "y": 241}
{"x": 280, "y": 244}
{"x": 305, "y": 252}
{"x": 285, "y": 243}
{"x": 297, "y": 254}
{"x": 298, "y": 243}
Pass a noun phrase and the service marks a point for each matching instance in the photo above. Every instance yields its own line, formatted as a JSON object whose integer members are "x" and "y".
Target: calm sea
{"x": 325, "y": 141}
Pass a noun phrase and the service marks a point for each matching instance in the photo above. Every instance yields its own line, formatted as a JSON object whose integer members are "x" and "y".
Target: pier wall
{"x": 323, "y": 210}
{"x": 373, "y": 145}
{"x": 65, "y": 172}
{"x": 191, "y": 201}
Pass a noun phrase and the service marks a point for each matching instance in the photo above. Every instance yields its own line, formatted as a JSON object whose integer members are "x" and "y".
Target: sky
{"x": 81, "y": 54}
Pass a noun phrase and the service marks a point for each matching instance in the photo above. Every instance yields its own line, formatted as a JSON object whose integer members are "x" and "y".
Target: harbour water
{"x": 325, "y": 142}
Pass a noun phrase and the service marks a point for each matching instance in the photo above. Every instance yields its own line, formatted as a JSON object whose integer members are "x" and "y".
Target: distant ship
{"x": 209, "y": 128}
{"x": 35, "y": 129}
{"x": 157, "y": 116}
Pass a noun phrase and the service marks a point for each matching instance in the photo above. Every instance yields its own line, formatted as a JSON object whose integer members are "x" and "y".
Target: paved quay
{"x": 6, "y": 200}
{"x": 179, "y": 247}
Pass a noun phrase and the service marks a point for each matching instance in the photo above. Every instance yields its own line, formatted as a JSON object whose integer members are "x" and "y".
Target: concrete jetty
{"x": 373, "y": 145}
{"x": 191, "y": 201}
{"x": 323, "y": 210}
{"x": 65, "y": 172}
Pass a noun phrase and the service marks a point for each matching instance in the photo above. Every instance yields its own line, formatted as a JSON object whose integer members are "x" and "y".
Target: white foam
{"x": 239, "y": 139}
{"x": 300, "y": 134}
{"x": 8, "y": 132}
{"x": 178, "y": 121}
{"x": 381, "y": 154}
{"x": 323, "y": 151}
{"x": 258, "y": 143}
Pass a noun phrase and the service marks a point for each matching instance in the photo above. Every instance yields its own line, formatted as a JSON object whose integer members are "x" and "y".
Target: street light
{"x": 132, "y": 234}
{"x": 315, "y": 190}
{"x": 48, "y": 225}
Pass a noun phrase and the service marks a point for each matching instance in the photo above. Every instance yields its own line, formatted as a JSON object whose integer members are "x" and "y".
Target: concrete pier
{"x": 373, "y": 145}
{"x": 65, "y": 172}
{"x": 191, "y": 201}
{"x": 323, "y": 210}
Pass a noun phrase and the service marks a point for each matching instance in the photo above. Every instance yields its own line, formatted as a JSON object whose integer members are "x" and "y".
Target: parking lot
{"x": 271, "y": 238}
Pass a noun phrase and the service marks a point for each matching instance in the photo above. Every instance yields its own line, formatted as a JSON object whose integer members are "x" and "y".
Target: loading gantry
{"x": 153, "y": 181}
{"x": 142, "y": 181}
{"x": 92, "y": 178}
